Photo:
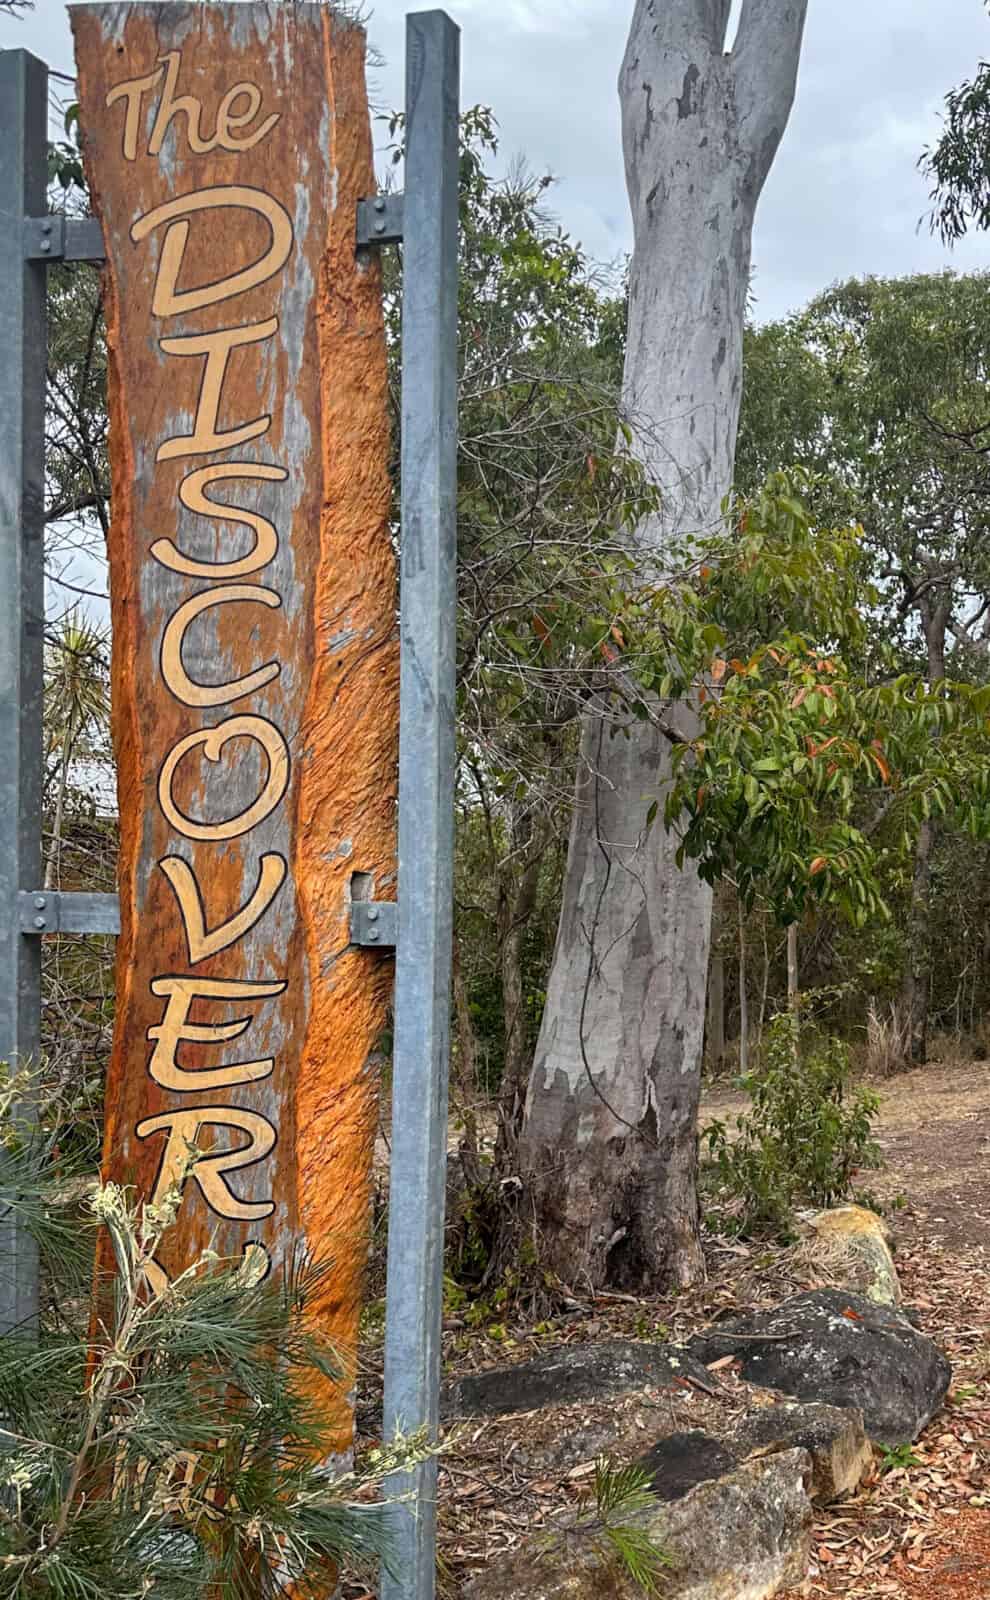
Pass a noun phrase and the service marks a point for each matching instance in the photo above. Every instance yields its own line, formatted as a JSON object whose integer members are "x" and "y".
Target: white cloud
{"x": 532, "y": 16}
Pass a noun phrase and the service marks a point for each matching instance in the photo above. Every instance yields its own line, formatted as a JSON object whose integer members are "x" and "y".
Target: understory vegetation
{"x": 167, "y": 1444}
{"x": 806, "y": 1138}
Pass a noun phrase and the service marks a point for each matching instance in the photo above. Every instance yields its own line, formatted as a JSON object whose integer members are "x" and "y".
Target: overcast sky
{"x": 844, "y": 197}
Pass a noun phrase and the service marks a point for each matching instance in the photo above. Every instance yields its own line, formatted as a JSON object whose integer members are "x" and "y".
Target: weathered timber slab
{"x": 253, "y": 599}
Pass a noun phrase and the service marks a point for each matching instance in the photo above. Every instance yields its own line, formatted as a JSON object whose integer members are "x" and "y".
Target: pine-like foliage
{"x": 172, "y": 1447}
{"x": 617, "y": 1526}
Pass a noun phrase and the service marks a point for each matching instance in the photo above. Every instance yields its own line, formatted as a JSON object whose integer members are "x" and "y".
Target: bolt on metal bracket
{"x": 379, "y": 220}
{"x": 374, "y": 923}
{"x": 50, "y": 911}
{"x": 61, "y": 238}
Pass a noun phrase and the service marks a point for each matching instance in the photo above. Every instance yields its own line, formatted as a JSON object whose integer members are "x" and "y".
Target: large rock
{"x": 834, "y": 1439}
{"x": 743, "y": 1536}
{"x": 840, "y": 1348}
{"x": 853, "y": 1245}
{"x": 683, "y": 1460}
{"x": 569, "y": 1373}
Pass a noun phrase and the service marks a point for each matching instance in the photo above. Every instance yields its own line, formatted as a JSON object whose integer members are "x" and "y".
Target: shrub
{"x": 173, "y": 1444}
{"x": 804, "y": 1137}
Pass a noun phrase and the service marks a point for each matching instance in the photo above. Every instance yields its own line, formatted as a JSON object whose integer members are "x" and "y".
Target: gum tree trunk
{"x": 716, "y": 1010}
{"x": 793, "y": 974}
{"x": 935, "y": 613}
{"x": 609, "y": 1142}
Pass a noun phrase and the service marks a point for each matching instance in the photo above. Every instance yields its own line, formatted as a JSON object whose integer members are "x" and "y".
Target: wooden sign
{"x": 253, "y": 605}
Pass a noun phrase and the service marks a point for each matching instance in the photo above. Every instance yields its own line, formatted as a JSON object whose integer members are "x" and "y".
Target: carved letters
{"x": 253, "y": 608}
{"x": 182, "y": 1155}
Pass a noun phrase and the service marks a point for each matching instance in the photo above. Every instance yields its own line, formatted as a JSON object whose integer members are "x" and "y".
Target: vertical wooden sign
{"x": 253, "y": 604}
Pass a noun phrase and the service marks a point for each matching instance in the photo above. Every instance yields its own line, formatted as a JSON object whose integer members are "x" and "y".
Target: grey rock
{"x": 834, "y": 1346}
{"x": 835, "y": 1440}
{"x": 570, "y": 1446}
{"x": 742, "y": 1536}
{"x": 567, "y": 1374}
{"x": 683, "y": 1460}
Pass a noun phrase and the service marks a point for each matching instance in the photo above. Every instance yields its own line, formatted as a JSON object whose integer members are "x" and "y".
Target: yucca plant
{"x": 77, "y": 701}
{"x": 170, "y": 1445}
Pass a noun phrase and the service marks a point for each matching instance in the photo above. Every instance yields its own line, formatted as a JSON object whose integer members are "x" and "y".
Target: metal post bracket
{"x": 44, "y": 238}
{"x": 61, "y": 238}
{"x": 380, "y": 220}
{"x": 374, "y": 923}
{"x": 51, "y": 911}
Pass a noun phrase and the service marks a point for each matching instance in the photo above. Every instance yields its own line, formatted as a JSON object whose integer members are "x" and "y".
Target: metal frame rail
{"x": 424, "y": 220}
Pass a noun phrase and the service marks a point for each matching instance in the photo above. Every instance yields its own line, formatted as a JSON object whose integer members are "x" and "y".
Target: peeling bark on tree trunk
{"x": 609, "y": 1146}
{"x": 517, "y": 902}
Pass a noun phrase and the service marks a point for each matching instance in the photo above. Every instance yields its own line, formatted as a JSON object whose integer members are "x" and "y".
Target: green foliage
{"x": 958, "y": 165}
{"x": 615, "y": 1526}
{"x": 77, "y": 698}
{"x": 805, "y": 1136}
{"x": 176, "y": 1445}
{"x": 806, "y": 764}
{"x": 546, "y": 491}
{"x": 897, "y": 1458}
{"x": 65, "y": 166}
{"x": 878, "y": 389}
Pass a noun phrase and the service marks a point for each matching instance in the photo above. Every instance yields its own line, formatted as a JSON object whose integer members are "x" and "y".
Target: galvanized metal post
{"x": 23, "y": 179}
{"x": 426, "y": 780}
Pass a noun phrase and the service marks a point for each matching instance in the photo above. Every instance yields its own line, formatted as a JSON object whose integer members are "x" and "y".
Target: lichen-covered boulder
{"x": 834, "y": 1438}
{"x": 837, "y": 1347}
{"x": 740, "y": 1536}
{"x": 853, "y": 1245}
{"x": 836, "y": 1442}
{"x": 568, "y": 1373}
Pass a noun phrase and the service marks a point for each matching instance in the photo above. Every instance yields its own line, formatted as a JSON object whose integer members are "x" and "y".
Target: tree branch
{"x": 766, "y": 56}
{"x": 73, "y": 505}
{"x": 681, "y": 21}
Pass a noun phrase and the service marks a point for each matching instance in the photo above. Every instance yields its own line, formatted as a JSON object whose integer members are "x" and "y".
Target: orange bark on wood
{"x": 324, "y": 612}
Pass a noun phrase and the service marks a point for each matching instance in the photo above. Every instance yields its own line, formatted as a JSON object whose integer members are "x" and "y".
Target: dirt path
{"x": 935, "y": 1136}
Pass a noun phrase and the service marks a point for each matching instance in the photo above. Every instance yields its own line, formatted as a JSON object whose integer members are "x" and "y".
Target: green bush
{"x": 805, "y": 1137}
{"x": 174, "y": 1444}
